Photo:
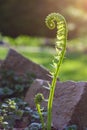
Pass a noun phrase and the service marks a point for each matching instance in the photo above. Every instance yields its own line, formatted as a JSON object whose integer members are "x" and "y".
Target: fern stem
{"x": 38, "y": 99}
{"x": 40, "y": 114}
{"x": 61, "y": 47}
{"x": 51, "y": 95}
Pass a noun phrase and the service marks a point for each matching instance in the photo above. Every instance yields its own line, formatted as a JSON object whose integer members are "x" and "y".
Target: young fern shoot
{"x": 38, "y": 100}
{"x": 60, "y": 49}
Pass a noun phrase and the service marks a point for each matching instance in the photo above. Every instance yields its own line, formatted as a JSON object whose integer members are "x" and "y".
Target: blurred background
{"x": 22, "y": 27}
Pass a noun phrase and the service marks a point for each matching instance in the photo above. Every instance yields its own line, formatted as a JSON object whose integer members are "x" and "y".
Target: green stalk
{"x": 38, "y": 100}
{"x": 61, "y": 47}
{"x": 52, "y": 90}
{"x": 40, "y": 114}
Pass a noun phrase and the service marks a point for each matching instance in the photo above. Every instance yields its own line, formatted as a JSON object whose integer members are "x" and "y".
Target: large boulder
{"x": 21, "y": 65}
{"x": 70, "y": 102}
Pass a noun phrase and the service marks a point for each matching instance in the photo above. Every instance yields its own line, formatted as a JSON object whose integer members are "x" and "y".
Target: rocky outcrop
{"x": 69, "y": 106}
{"x": 21, "y": 65}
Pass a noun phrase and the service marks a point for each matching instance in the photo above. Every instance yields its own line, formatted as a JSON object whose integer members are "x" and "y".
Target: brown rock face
{"x": 69, "y": 106}
{"x": 21, "y": 65}
{"x": 1, "y": 61}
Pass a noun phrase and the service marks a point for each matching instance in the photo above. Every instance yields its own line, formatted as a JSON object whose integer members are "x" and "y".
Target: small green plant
{"x": 16, "y": 110}
{"x": 13, "y": 85}
{"x": 72, "y": 127}
{"x": 38, "y": 99}
{"x": 60, "y": 49}
{"x": 9, "y": 112}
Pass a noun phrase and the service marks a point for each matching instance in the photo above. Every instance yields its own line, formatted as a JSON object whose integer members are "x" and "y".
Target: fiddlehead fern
{"x": 60, "y": 49}
{"x": 38, "y": 100}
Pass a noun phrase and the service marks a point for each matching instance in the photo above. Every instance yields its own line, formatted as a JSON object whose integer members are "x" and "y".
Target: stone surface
{"x": 21, "y": 65}
{"x": 1, "y": 61}
{"x": 70, "y": 102}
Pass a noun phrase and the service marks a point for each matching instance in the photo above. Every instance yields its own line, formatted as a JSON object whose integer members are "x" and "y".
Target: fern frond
{"x": 56, "y": 20}
{"x": 53, "y": 20}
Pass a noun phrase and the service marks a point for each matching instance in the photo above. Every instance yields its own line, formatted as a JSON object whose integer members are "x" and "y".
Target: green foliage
{"x": 38, "y": 100}
{"x": 6, "y": 91}
{"x": 58, "y": 58}
{"x": 10, "y": 111}
{"x": 22, "y": 40}
{"x": 72, "y": 127}
{"x": 34, "y": 126}
{"x": 15, "y": 109}
{"x": 12, "y": 84}
{"x": 60, "y": 50}
{"x": 76, "y": 56}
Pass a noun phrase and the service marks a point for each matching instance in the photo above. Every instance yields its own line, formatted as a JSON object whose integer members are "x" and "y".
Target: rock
{"x": 1, "y": 61}
{"x": 21, "y": 65}
{"x": 70, "y": 102}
